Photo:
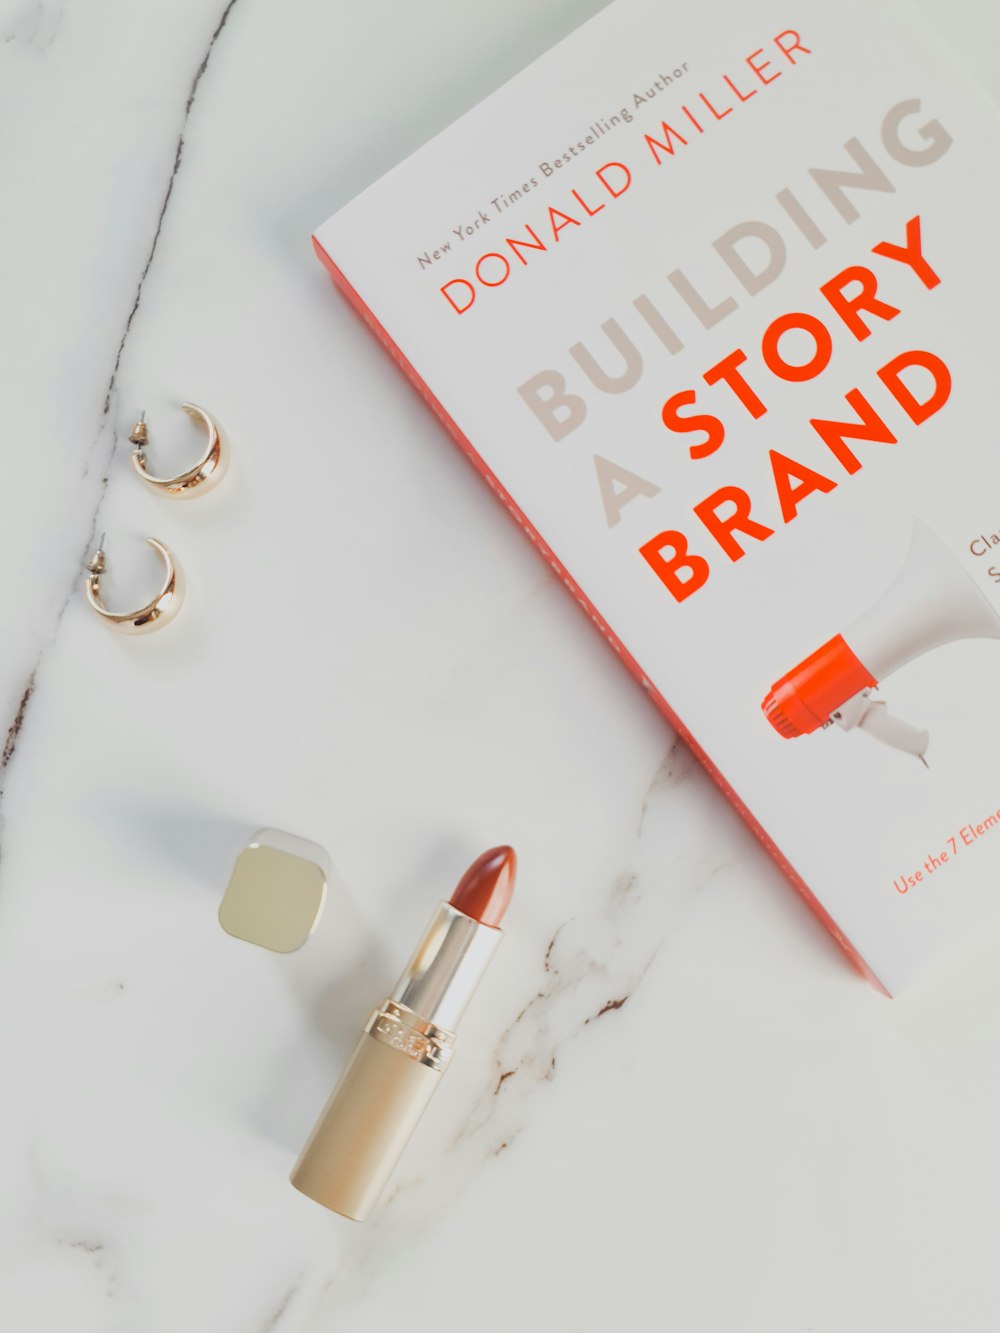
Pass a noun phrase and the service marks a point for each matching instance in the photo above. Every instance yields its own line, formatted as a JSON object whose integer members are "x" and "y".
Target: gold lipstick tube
{"x": 396, "y": 1068}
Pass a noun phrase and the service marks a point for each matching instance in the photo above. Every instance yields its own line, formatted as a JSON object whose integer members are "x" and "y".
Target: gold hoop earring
{"x": 155, "y": 614}
{"x": 198, "y": 480}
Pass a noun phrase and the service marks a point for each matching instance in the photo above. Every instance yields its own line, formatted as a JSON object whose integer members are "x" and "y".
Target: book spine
{"x": 467, "y": 447}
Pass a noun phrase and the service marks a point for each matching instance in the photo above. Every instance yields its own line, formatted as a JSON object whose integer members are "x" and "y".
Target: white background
{"x": 373, "y": 657}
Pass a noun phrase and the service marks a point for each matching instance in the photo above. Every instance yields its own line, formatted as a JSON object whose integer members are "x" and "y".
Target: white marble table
{"x": 675, "y": 1107}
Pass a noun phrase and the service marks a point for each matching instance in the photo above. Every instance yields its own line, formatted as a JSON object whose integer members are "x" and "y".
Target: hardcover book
{"x": 707, "y": 296}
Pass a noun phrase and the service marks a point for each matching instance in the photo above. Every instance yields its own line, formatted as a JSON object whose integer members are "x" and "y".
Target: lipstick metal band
{"x": 399, "y": 1027}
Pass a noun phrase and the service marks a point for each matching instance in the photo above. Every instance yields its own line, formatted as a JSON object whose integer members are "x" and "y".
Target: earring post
{"x": 140, "y": 434}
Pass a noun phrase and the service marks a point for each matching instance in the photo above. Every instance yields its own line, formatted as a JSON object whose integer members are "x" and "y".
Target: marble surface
{"x": 674, "y": 1105}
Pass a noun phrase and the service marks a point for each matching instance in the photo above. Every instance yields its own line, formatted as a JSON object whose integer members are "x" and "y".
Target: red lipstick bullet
{"x": 485, "y": 890}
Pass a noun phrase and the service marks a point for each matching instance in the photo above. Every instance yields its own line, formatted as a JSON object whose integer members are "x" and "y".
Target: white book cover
{"x": 708, "y": 296}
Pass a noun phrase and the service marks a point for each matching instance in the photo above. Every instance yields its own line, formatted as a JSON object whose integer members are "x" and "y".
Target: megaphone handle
{"x": 881, "y": 724}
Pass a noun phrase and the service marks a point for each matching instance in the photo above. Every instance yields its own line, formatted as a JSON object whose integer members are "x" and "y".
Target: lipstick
{"x": 406, "y": 1046}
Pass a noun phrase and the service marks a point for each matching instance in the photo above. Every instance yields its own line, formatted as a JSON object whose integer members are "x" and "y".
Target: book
{"x": 708, "y": 299}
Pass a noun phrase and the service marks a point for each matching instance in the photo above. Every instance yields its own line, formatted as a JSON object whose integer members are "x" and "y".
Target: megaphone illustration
{"x": 931, "y": 602}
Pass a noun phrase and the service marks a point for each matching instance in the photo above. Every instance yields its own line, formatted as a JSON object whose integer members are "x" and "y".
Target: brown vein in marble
{"x": 178, "y": 155}
{"x": 544, "y": 1068}
{"x": 96, "y": 1252}
{"x": 677, "y": 765}
{"x": 609, "y": 1006}
{"x": 558, "y": 987}
{"x": 561, "y": 976}
{"x": 280, "y": 1310}
{"x": 14, "y": 730}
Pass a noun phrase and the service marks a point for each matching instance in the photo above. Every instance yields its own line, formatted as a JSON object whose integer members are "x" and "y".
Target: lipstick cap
{"x": 276, "y": 891}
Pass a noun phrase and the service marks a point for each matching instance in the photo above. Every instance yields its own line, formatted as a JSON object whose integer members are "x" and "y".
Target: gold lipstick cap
{"x": 276, "y": 892}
